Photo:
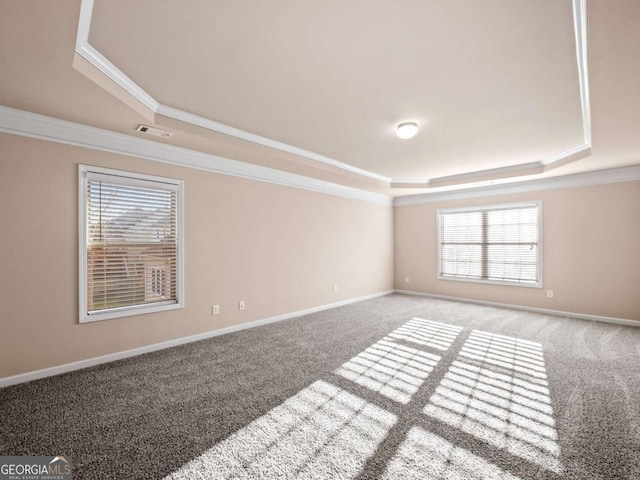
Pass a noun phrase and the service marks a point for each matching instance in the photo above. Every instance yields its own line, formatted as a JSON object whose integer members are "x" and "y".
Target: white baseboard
{"x": 558, "y": 313}
{"x": 90, "y": 362}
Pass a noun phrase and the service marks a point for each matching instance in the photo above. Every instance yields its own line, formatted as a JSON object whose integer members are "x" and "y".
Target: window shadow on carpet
{"x": 390, "y": 369}
{"x": 321, "y": 432}
{"x": 427, "y": 400}
{"x": 493, "y": 389}
{"x": 498, "y": 393}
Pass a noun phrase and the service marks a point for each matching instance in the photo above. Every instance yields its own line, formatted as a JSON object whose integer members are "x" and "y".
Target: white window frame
{"x": 441, "y": 212}
{"x": 129, "y": 178}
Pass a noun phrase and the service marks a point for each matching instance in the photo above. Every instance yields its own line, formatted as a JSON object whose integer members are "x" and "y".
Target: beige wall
{"x": 591, "y": 257}
{"x": 280, "y": 249}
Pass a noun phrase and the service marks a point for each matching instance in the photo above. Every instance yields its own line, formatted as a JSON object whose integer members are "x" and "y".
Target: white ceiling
{"x": 492, "y": 84}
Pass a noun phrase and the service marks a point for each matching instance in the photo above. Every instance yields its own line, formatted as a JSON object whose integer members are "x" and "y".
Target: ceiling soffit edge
{"x": 33, "y": 125}
{"x": 96, "y": 67}
{"x": 584, "y": 179}
{"x": 525, "y": 169}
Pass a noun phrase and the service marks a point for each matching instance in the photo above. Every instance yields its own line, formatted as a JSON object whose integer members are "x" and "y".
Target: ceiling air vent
{"x": 156, "y": 132}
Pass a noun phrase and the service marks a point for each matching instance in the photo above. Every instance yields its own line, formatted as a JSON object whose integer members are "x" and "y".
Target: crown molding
{"x": 156, "y": 109}
{"x": 571, "y": 155}
{"x": 106, "y": 67}
{"x": 27, "y": 124}
{"x": 598, "y": 177}
{"x": 203, "y": 122}
{"x": 511, "y": 171}
{"x": 93, "y": 56}
{"x": 530, "y": 168}
{"x": 557, "y": 160}
{"x": 580, "y": 28}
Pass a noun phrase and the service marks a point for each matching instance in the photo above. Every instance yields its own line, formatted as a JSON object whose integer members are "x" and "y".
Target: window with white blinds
{"x": 496, "y": 244}
{"x": 130, "y": 244}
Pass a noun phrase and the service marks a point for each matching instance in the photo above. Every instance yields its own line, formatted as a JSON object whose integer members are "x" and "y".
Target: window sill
{"x": 492, "y": 282}
{"x": 127, "y": 312}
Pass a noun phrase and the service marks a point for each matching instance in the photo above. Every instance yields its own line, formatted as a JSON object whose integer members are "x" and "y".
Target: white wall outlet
{"x": 215, "y": 309}
{"x": 335, "y": 289}
{"x": 241, "y": 305}
{"x": 549, "y": 293}
{"x": 406, "y": 279}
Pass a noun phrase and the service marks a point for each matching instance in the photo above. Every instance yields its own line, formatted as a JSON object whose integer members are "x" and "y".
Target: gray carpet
{"x": 397, "y": 387}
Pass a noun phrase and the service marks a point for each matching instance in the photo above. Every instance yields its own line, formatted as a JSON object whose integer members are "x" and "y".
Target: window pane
{"x": 513, "y": 226}
{"x": 513, "y": 262}
{"x": 131, "y": 243}
{"x": 461, "y": 228}
{"x": 461, "y": 260}
{"x": 491, "y": 243}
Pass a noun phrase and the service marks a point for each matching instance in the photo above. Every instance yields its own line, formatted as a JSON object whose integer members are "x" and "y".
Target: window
{"x": 130, "y": 244}
{"x": 496, "y": 244}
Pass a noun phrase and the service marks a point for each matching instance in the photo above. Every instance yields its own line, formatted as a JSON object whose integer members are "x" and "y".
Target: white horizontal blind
{"x": 492, "y": 244}
{"x": 131, "y": 243}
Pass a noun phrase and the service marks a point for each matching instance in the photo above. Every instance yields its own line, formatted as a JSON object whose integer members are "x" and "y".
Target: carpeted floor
{"x": 397, "y": 387}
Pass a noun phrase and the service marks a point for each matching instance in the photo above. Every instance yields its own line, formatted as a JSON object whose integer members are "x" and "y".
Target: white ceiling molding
{"x": 27, "y": 124}
{"x": 580, "y": 26}
{"x": 579, "y": 151}
{"x": 94, "y": 57}
{"x": 598, "y": 177}
{"x": 549, "y": 163}
{"x": 517, "y": 171}
{"x": 483, "y": 175}
{"x": 199, "y": 121}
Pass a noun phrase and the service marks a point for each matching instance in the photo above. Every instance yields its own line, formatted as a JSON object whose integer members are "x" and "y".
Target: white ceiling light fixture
{"x": 407, "y": 130}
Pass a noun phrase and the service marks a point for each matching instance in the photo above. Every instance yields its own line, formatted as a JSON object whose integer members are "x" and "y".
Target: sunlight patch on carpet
{"x": 498, "y": 392}
{"x": 390, "y": 369}
{"x": 427, "y": 332}
{"x": 426, "y": 456}
{"x": 322, "y": 432}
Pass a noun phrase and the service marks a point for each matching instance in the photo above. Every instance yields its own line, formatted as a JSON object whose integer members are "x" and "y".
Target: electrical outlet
{"x": 549, "y": 293}
{"x": 241, "y": 305}
{"x": 215, "y": 309}
{"x": 406, "y": 279}
{"x": 335, "y": 289}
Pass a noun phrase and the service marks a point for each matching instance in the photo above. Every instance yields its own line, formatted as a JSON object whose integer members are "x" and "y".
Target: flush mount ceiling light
{"x": 407, "y": 130}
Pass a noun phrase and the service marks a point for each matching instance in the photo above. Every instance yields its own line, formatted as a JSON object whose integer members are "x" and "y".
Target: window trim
{"x": 501, "y": 206}
{"x": 127, "y": 311}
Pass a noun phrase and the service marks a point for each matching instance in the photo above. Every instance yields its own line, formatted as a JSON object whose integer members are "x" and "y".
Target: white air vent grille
{"x": 156, "y": 132}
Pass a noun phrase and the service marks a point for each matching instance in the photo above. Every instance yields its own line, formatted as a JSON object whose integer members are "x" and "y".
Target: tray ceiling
{"x": 495, "y": 86}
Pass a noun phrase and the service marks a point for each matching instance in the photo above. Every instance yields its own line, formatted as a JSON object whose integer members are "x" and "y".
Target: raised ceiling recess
{"x": 498, "y": 88}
